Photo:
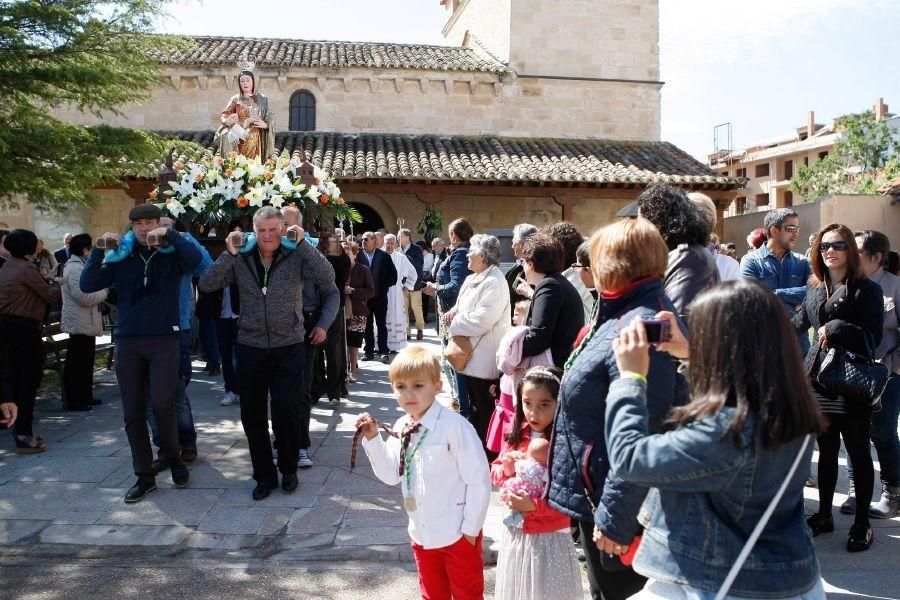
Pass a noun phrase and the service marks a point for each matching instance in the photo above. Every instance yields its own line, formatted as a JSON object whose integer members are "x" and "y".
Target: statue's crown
{"x": 245, "y": 64}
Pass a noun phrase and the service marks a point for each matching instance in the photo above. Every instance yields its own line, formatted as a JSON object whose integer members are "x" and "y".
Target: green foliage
{"x": 863, "y": 158}
{"x": 431, "y": 223}
{"x": 90, "y": 55}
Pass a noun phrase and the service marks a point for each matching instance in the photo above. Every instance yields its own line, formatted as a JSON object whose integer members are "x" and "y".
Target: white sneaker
{"x": 303, "y": 459}
{"x": 335, "y": 402}
{"x": 229, "y": 399}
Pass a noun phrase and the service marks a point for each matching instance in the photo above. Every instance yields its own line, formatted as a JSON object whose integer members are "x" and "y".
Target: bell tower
{"x": 583, "y": 39}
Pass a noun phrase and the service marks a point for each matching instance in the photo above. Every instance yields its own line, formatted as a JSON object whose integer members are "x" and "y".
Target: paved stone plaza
{"x": 66, "y": 505}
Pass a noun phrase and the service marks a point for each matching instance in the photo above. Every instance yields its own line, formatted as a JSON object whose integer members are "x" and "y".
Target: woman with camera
{"x": 733, "y": 462}
{"x": 845, "y": 310}
{"x": 628, "y": 259}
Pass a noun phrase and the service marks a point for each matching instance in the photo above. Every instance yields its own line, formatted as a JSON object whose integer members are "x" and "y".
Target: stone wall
{"x": 488, "y": 20}
{"x": 586, "y": 38}
{"x": 358, "y": 101}
{"x": 617, "y": 39}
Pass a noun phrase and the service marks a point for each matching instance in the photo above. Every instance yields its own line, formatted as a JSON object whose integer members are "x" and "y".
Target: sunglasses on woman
{"x": 840, "y": 246}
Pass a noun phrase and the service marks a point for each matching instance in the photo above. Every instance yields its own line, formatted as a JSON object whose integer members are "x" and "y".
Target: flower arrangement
{"x": 217, "y": 189}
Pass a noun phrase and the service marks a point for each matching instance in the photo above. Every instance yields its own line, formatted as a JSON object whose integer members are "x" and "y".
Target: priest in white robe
{"x": 397, "y": 317}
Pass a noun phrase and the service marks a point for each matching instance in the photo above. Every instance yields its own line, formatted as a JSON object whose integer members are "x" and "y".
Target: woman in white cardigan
{"x": 482, "y": 314}
{"x": 82, "y": 320}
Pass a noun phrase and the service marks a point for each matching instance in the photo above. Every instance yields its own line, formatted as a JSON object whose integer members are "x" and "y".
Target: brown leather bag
{"x": 459, "y": 350}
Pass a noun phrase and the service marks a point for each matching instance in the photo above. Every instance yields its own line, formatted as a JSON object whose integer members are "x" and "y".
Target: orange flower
{"x": 153, "y": 194}
{"x": 324, "y": 198}
{"x": 242, "y": 202}
{"x": 318, "y": 181}
{"x": 268, "y": 175}
{"x": 340, "y": 201}
{"x": 294, "y": 204}
{"x": 228, "y": 172}
{"x": 198, "y": 177}
{"x": 234, "y": 155}
{"x": 179, "y": 165}
{"x": 219, "y": 160}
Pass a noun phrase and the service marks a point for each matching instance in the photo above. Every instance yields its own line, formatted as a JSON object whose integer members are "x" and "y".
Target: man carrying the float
{"x": 146, "y": 267}
{"x": 270, "y": 272}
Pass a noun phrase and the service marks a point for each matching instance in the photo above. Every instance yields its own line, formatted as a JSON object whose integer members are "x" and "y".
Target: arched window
{"x": 303, "y": 112}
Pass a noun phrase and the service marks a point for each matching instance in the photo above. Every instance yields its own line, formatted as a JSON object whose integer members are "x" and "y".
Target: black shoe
{"x": 180, "y": 475}
{"x": 139, "y": 490}
{"x": 861, "y": 538}
{"x": 289, "y": 482}
{"x": 263, "y": 489}
{"x": 188, "y": 455}
{"x": 820, "y": 524}
{"x": 368, "y": 357}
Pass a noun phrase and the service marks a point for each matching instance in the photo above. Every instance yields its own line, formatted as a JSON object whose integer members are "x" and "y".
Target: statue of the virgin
{"x": 247, "y": 121}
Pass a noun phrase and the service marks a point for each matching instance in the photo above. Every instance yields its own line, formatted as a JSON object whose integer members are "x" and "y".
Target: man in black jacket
{"x": 148, "y": 286}
{"x": 414, "y": 297}
{"x": 384, "y": 273}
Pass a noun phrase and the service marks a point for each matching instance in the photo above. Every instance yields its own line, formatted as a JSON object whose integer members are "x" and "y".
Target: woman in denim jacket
{"x": 728, "y": 452}
{"x": 627, "y": 259}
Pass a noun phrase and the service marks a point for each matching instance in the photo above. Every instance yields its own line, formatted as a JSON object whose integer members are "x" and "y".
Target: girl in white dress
{"x": 537, "y": 557}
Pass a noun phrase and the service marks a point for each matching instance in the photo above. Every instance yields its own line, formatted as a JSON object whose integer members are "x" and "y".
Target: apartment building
{"x": 769, "y": 165}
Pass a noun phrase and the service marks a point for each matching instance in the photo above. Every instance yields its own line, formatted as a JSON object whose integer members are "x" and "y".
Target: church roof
{"x": 227, "y": 51}
{"x": 492, "y": 159}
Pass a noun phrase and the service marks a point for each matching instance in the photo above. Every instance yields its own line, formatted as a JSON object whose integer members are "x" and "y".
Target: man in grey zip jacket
{"x": 271, "y": 340}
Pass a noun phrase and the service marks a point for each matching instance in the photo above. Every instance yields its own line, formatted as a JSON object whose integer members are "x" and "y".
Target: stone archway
{"x": 375, "y": 211}
{"x": 371, "y": 220}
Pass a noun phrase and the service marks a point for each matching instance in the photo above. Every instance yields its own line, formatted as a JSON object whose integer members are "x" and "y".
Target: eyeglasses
{"x": 840, "y": 246}
{"x": 579, "y": 266}
{"x": 790, "y": 228}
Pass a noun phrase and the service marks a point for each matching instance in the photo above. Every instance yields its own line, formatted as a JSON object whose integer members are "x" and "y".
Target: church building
{"x": 535, "y": 111}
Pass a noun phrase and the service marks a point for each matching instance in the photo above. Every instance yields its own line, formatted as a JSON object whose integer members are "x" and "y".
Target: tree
{"x": 95, "y": 56}
{"x": 862, "y": 159}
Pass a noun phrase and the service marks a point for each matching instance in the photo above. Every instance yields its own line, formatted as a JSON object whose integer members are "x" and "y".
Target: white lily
{"x": 284, "y": 185}
{"x": 277, "y": 201}
{"x": 183, "y": 187}
{"x": 175, "y": 207}
{"x": 256, "y": 169}
{"x": 256, "y": 196}
{"x": 238, "y": 173}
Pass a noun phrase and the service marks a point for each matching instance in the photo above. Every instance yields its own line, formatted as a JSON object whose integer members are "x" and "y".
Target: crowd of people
{"x": 640, "y": 442}
{"x": 636, "y": 391}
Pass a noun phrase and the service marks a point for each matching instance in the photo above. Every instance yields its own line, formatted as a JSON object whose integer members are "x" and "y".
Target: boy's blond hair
{"x": 413, "y": 361}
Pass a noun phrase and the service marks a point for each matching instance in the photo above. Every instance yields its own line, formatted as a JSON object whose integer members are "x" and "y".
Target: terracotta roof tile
{"x": 226, "y": 51}
{"x": 492, "y": 159}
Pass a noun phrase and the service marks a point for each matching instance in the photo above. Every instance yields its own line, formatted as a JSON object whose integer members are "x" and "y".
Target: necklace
{"x": 147, "y": 264}
{"x": 265, "y": 282}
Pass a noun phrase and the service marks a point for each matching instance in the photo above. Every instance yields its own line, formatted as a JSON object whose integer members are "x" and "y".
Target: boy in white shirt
{"x": 444, "y": 476}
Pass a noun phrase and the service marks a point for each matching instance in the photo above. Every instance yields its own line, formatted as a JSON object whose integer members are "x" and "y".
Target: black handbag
{"x": 856, "y": 378}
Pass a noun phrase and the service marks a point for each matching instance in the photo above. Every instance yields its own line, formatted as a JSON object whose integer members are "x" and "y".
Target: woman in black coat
{"x": 556, "y": 314}
{"x": 845, "y": 310}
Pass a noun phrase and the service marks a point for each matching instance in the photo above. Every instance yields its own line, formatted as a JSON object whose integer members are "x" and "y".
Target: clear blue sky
{"x": 760, "y": 65}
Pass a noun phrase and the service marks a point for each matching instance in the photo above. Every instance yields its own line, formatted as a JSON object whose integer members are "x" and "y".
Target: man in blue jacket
{"x": 148, "y": 285}
{"x": 776, "y": 266}
{"x": 187, "y": 433}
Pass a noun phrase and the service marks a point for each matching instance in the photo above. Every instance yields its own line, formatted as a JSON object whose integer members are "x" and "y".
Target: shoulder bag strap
{"x": 757, "y": 531}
